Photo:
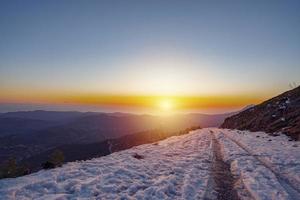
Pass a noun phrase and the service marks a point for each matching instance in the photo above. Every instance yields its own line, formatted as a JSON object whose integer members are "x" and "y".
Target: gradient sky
{"x": 78, "y": 51}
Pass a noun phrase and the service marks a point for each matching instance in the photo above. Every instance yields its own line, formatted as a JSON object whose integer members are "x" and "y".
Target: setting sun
{"x": 166, "y": 104}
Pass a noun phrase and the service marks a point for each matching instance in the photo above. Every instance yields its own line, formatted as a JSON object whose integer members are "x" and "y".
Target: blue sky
{"x": 151, "y": 47}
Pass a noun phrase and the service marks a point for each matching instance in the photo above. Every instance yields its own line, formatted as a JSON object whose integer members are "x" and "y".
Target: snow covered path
{"x": 204, "y": 164}
{"x": 266, "y": 167}
{"x": 173, "y": 168}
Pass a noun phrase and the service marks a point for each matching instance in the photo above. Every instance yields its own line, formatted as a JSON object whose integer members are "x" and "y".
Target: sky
{"x": 192, "y": 55}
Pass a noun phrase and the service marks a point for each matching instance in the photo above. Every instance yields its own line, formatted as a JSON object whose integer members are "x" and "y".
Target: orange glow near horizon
{"x": 154, "y": 103}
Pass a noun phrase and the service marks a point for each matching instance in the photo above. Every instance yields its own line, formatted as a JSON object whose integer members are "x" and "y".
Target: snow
{"x": 264, "y": 167}
{"x": 268, "y": 166}
{"x": 173, "y": 168}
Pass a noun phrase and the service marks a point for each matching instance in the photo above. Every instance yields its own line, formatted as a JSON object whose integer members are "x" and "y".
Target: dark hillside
{"x": 279, "y": 114}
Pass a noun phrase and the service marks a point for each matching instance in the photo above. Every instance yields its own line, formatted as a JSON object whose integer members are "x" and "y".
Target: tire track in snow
{"x": 290, "y": 187}
{"x": 192, "y": 183}
{"x": 221, "y": 184}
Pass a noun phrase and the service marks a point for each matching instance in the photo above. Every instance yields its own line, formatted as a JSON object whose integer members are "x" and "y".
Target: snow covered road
{"x": 204, "y": 164}
{"x": 267, "y": 167}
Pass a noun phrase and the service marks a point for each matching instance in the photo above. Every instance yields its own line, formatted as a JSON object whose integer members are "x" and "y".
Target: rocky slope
{"x": 279, "y": 114}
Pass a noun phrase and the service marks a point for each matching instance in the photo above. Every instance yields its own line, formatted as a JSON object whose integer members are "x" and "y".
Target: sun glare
{"x": 166, "y": 105}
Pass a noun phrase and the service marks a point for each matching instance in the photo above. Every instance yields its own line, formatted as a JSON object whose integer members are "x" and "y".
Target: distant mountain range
{"x": 279, "y": 114}
{"x": 114, "y": 124}
{"x": 30, "y": 136}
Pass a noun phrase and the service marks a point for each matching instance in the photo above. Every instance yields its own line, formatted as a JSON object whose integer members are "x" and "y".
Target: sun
{"x": 166, "y": 105}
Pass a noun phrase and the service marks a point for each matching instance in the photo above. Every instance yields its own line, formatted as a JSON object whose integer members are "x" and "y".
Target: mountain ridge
{"x": 278, "y": 114}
